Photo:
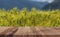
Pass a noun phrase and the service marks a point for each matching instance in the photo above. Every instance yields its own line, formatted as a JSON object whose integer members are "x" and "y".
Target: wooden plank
{"x": 9, "y": 32}
{"x": 57, "y": 29}
{"x": 24, "y": 32}
{"x": 30, "y": 32}
{"x": 36, "y": 32}
{"x": 48, "y": 32}
{"x": 3, "y": 29}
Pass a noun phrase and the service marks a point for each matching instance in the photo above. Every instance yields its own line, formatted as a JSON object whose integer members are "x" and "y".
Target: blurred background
{"x": 38, "y": 4}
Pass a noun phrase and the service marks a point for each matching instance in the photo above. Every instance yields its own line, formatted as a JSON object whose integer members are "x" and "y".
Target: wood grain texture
{"x": 9, "y": 32}
{"x": 30, "y": 32}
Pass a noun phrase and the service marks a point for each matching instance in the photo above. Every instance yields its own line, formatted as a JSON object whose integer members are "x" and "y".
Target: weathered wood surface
{"x": 29, "y": 31}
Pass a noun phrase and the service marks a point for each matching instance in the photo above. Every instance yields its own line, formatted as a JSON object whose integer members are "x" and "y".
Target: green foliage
{"x": 15, "y": 17}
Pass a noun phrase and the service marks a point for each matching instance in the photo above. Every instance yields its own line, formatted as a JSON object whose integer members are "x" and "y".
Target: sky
{"x": 49, "y": 1}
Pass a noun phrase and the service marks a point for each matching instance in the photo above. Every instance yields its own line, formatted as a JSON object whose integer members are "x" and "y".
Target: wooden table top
{"x": 29, "y": 31}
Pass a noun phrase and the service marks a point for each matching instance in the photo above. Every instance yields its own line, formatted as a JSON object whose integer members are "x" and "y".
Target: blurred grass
{"x": 16, "y": 17}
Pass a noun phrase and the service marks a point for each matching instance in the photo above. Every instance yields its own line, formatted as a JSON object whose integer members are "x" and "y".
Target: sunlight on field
{"x": 15, "y": 17}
